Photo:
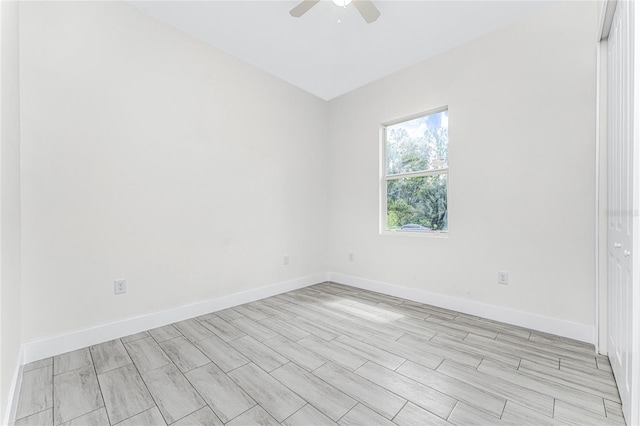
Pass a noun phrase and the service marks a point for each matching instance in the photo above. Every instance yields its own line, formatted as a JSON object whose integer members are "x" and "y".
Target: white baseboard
{"x": 40, "y": 349}
{"x": 14, "y": 391}
{"x": 559, "y": 327}
{"x": 57, "y": 345}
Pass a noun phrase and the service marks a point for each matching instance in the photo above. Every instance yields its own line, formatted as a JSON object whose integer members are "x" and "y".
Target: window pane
{"x": 417, "y": 204}
{"x": 418, "y": 145}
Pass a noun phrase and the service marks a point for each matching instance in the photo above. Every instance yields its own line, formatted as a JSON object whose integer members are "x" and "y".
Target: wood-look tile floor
{"x": 324, "y": 355}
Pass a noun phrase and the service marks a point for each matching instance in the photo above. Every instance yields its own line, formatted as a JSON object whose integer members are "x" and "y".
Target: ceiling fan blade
{"x": 303, "y": 8}
{"x": 367, "y": 9}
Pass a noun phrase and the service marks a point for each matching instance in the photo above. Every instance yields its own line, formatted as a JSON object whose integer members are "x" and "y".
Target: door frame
{"x": 605, "y": 20}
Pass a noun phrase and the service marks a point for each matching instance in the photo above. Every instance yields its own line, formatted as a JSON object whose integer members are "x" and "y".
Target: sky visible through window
{"x": 416, "y": 128}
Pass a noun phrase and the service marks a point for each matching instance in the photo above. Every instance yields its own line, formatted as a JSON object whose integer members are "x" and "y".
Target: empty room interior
{"x": 319, "y": 212}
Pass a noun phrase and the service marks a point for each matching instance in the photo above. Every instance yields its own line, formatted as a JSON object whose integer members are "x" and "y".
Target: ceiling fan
{"x": 366, "y": 8}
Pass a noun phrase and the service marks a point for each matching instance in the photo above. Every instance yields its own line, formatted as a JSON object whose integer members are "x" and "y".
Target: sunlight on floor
{"x": 365, "y": 311}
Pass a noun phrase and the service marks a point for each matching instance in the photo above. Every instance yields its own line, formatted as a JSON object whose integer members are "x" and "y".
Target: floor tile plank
{"x": 364, "y": 312}
{"x": 382, "y": 298}
{"x": 224, "y": 396}
{"x": 478, "y": 397}
{"x": 150, "y": 417}
{"x": 254, "y": 329}
{"x": 250, "y": 312}
{"x": 260, "y": 354}
{"x": 411, "y": 390}
{"x": 559, "y": 391}
{"x": 466, "y": 415}
{"x": 328, "y": 399}
{"x": 124, "y": 392}
{"x": 406, "y": 311}
{"x": 337, "y": 322}
{"x": 516, "y": 414}
{"x": 464, "y": 347}
{"x": 562, "y": 342}
{"x": 41, "y": 418}
{"x": 222, "y": 355}
{"x": 272, "y": 301}
{"x": 193, "y": 330}
{"x": 172, "y": 392}
{"x": 427, "y": 329}
{"x": 501, "y": 388}
{"x": 229, "y": 315}
{"x": 333, "y": 352}
{"x": 109, "y": 356}
{"x": 184, "y": 354}
{"x": 36, "y": 393}
{"x": 603, "y": 364}
{"x": 361, "y": 415}
{"x": 578, "y": 382}
{"x": 412, "y": 415}
{"x": 442, "y": 313}
{"x": 513, "y": 349}
{"x": 294, "y": 352}
{"x": 273, "y": 312}
{"x": 75, "y": 393}
{"x": 540, "y": 349}
{"x": 223, "y": 329}
{"x": 419, "y": 328}
{"x": 137, "y": 336}
{"x": 308, "y": 415}
{"x": 273, "y": 396}
{"x": 370, "y": 352}
{"x": 203, "y": 417}
{"x": 166, "y": 332}
{"x": 441, "y": 351}
{"x": 614, "y": 411}
{"x": 465, "y": 328}
{"x": 370, "y": 394}
{"x": 146, "y": 354}
{"x": 255, "y": 416}
{"x": 572, "y": 415}
{"x": 71, "y": 361}
{"x": 406, "y": 351}
{"x": 94, "y": 418}
{"x": 494, "y": 325}
{"x": 285, "y": 329}
{"x": 584, "y": 371}
{"x": 37, "y": 364}
{"x": 312, "y": 328}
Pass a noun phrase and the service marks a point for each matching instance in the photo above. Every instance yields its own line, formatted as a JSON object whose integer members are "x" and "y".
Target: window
{"x": 414, "y": 182}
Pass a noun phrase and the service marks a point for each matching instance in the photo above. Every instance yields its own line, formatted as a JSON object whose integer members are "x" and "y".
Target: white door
{"x": 621, "y": 205}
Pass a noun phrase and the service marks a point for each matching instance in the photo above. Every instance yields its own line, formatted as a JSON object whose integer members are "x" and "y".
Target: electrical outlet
{"x": 503, "y": 277}
{"x": 285, "y": 259}
{"x": 120, "y": 286}
{"x": 351, "y": 257}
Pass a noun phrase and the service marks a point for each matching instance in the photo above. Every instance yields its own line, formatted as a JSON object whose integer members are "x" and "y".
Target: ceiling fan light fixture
{"x": 341, "y": 3}
{"x": 367, "y": 9}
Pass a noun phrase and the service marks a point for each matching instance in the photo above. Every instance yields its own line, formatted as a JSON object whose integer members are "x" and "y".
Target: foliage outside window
{"x": 415, "y": 174}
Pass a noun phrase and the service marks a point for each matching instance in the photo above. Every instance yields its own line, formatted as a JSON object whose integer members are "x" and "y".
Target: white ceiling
{"x": 328, "y": 58}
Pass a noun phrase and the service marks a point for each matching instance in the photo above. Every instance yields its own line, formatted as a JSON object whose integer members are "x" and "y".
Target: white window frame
{"x": 384, "y": 178}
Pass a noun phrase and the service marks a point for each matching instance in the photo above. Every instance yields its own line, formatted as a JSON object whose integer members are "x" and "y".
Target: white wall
{"x": 10, "y": 306}
{"x": 150, "y": 156}
{"x": 521, "y": 128}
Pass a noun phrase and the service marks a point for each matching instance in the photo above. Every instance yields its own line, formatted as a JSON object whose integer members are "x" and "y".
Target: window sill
{"x": 418, "y": 234}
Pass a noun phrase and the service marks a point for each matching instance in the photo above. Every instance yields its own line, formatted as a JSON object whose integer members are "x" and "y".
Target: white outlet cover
{"x": 120, "y": 286}
{"x": 503, "y": 277}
